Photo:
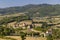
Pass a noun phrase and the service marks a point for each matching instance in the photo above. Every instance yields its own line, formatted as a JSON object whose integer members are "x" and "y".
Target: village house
{"x": 48, "y": 32}
{"x": 25, "y": 23}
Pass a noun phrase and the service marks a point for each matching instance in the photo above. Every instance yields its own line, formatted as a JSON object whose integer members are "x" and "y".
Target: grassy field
{"x": 11, "y": 15}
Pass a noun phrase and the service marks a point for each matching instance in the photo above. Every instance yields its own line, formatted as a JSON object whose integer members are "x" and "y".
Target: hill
{"x": 34, "y": 10}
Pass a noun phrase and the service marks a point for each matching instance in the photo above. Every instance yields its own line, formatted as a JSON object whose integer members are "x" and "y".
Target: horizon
{"x": 13, "y": 3}
{"x": 28, "y": 4}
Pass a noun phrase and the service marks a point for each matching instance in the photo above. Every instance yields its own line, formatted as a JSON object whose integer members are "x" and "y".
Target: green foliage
{"x": 4, "y": 31}
{"x": 49, "y": 37}
{"x": 36, "y": 34}
{"x": 7, "y": 20}
{"x": 56, "y": 34}
{"x": 38, "y": 28}
{"x": 22, "y": 34}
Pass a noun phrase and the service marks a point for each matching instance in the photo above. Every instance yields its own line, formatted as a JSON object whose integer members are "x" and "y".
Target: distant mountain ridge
{"x": 32, "y": 9}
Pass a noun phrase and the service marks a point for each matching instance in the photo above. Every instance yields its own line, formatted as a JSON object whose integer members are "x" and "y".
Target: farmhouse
{"x": 26, "y": 22}
{"x": 48, "y": 32}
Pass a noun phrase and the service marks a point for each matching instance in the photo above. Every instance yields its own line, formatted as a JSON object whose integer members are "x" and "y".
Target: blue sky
{"x": 11, "y": 3}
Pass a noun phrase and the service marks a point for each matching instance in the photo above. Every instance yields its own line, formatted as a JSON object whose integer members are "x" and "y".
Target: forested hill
{"x": 34, "y": 10}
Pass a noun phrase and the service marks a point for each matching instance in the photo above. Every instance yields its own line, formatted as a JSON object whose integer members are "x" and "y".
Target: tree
{"x": 56, "y": 34}
{"x": 49, "y": 37}
{"x": 22, "y": 35}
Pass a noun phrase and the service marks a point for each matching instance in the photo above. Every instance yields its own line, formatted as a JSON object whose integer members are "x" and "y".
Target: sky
{"x": 12, "y": 3}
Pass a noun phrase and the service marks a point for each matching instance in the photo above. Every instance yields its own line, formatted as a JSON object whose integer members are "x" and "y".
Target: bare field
{"x": 35, "y": 38}
{"x": 2, "y": 39}
{"x": 27, "y": 38}
{"x": 15, "y": 37}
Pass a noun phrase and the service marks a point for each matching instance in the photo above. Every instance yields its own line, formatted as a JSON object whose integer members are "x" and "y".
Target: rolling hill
{"x": 34, "y": 10}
